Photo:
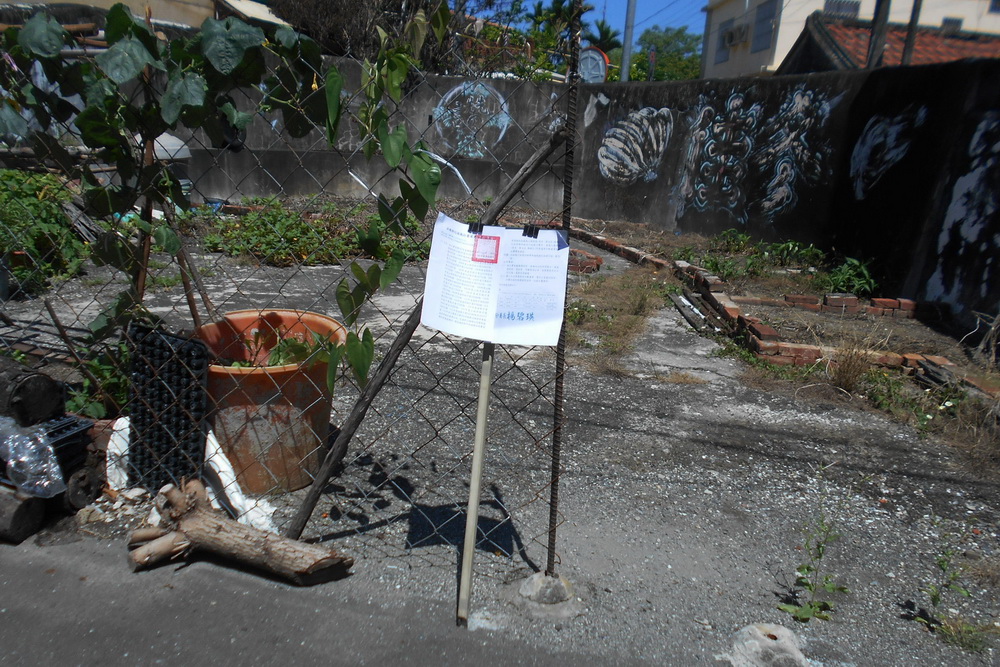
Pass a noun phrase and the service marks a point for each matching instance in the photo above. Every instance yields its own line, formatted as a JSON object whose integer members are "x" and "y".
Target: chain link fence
{"x": 165, "y": 319}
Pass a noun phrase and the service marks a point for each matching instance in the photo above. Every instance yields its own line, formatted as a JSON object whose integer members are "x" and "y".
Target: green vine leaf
{"x": 360, "y": 354}
{"x": 11, "y": 122}
{"x": 426, "y": 175}
{"x": 345, "y": 300}
{"x": 392, "y": 143}
{"x": 187, "y": 90}
{"x": 167, "y": 239}
{"x": 334, "y": 86}
{"x": 224, "y": 43}
{"x": 417, "y": 203}
{"x": 42, "y": 35}
{"x": 439, "y": 21}
{"x": 125, "y": 60}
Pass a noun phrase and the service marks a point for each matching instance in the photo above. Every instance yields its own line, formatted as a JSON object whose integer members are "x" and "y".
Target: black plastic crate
{"x": 167, "y": 407}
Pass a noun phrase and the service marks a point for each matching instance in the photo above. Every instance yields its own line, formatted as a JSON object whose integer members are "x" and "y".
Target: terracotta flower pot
{"x": 272, "y": 421}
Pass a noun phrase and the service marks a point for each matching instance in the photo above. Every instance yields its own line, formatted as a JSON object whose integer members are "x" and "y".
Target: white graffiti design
{"x": 969, "y": 229}
{"x": 790, "y": 150}
{"x": 471, "y": 119}
{"x": 884, "y": 142}
{"x": 634, "y": 147}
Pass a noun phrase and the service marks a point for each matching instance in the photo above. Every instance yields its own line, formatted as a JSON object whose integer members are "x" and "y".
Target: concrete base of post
{"x": 548, "y": 597}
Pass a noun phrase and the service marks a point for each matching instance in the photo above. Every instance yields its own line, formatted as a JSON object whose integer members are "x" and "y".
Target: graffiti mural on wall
{"x": 471, "y": 119}
{"x": 792, "y": 148}
{"x": 726, "y": 140}
{"x": 970, "y": 226}
{"x": 884, "y": 142}
{"x": 633, "y": 148}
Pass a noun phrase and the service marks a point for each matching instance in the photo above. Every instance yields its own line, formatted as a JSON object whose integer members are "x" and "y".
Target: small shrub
{"x": 851, "y": 277}
{"x": 32, "y": 221}
{"x": 731, "y": 241}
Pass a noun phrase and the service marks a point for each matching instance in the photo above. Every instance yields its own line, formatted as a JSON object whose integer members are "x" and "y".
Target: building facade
{"x": 752, "y": 37}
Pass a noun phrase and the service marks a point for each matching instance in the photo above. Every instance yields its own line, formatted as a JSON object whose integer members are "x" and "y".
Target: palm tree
{"x": 605, "y": 38}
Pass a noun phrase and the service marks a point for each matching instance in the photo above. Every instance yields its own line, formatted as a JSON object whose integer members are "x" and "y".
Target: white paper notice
{"x": 498, "y": 286}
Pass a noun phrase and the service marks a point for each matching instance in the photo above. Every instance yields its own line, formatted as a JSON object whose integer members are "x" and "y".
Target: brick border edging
{"x": 765, "y": 342}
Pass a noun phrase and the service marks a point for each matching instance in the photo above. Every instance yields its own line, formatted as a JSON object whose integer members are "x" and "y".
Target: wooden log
{"x": 192, "y": 525}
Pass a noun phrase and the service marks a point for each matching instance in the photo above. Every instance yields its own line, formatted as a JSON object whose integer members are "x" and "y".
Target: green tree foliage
{"x": 603, "y": 36}
{"x": 678, "y": 55}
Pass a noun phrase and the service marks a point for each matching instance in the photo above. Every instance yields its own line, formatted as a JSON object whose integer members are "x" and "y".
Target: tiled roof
{"x": 932, "y": 44}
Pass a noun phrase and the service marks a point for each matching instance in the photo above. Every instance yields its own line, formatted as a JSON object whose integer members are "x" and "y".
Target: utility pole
{"x": 880, "y": 26}
{"x": 911, "y": 33}
{"x": 627, "y": 46}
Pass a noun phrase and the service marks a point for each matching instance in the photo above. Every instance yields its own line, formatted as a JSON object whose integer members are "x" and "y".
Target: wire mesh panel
{"x": 183, "y": 222}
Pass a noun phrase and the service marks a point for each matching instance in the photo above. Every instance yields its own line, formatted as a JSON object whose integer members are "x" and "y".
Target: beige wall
{"x": 791, "y": 19}
{"x": 188, "y": 12}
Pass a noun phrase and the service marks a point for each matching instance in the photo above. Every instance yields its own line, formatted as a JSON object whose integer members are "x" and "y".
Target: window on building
{"x": 846, "y": 9}
{"x": 951, "y": 24}
{"x": 721, "y": 49}
{"x": 763, "y": 25}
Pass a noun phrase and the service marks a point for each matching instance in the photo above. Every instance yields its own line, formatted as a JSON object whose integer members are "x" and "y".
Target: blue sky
{"x": 664, "y": 13}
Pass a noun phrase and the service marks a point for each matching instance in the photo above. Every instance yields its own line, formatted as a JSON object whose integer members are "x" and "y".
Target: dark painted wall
{"x": 898, "y": 165}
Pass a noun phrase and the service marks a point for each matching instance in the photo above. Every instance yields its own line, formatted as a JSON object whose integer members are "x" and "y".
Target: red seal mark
{"x": 486, "y": 249}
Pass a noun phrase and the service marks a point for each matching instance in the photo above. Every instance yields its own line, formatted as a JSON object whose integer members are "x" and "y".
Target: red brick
{"x": 801, "y": 298}
{"x": 910, "y": 359}
{"x": 798, "y": 350}
{"x": 746, "y": 300}
{"x": 907, "y": 304}
{"x": 764, "y": 332}
{"x": 765, "y": 347}
{"x": 842, "y": 310}
{"x": 730, "y": 312}
{"x": 885, "y": 303}
{"x": 904, "y": 314}
{"x": 940, "y": 361}
{"x": 848, "y": 300}
{"x": 887, "y": 359}
{"x": 774, "y": 302}
{"x": 815, "y": 307}
{"x": 875, "y": 310}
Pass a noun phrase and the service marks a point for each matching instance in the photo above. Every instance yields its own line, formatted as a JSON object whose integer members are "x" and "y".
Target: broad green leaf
{"x": 97, "y": 129}
{"x": 345, "y": 299}
{"x": 360, "y": 354}
{"x": 392, "y": 268}
{"x": 125, "y": 60}
{"x": 187, "y": 90}
{"x": 335, "y": 353}
{"x": 287, "y": 37}
{"x": 426, "y": 175}
{"x": 360, "y": 274}
{"x": 334, "y": 85}
{"x": 416, "y": 32}
{"x": 374, "y": 274}
{"x": 118, "y": 23}
{"x": 370, "y": 239}
{"x": 397, "y": 69}
{"x": 113, "y": 250}
{"x": 414, "y": 199}
{"x": 11, "y": 122}
{"x": 439, "y": 21}
{"x": 236, "y": 118}
{"x": 224, "y": 43}
{"x": 392, "y": 143}
{"x": 167, "y": 239}
{"x": 42, "y": 35}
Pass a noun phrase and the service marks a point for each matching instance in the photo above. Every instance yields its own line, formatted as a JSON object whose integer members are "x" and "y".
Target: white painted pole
{"x": 475, "y": 482}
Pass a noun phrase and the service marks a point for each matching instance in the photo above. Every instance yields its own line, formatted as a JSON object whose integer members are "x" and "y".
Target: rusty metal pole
{"x": 558, "y": 417}
{"x": 911, "y": 33}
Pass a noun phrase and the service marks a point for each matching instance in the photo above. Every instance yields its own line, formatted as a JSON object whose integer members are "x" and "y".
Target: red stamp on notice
{"x": 486, "y": 249}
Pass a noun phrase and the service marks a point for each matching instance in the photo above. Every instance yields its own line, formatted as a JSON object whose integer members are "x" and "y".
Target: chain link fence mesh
{"x": 272, "y": 220}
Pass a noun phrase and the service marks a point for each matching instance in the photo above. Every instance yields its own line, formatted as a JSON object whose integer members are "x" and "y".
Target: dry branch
{"x": 192, "y": 525}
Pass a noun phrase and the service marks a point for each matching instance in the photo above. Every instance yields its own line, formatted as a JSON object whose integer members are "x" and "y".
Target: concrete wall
{"x": 899, "y": 165}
